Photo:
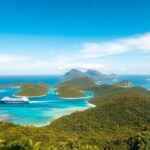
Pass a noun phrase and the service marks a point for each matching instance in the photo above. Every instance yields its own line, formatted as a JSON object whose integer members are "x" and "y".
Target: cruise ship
{"x": 19, "y": 100}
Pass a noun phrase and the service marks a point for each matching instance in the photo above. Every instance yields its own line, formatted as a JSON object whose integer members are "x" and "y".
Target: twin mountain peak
{"x": 93, "y": 74}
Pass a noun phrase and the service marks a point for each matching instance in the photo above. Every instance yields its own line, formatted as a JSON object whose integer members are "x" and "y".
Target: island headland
{"x": 120, "y": 118}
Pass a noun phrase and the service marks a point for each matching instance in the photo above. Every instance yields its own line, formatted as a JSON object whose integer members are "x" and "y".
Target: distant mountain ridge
{"x": 92, "y": 74}
{"x": 98, "y": 76}
{"x": 73, "y": 73}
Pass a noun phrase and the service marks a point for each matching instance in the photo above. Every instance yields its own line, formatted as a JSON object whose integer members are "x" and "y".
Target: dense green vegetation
{"x": 120, "y": 121}
{"x": 107, "y": 92}
{"x": 79, "y": 83}
{"x": 126, "y": 110}
{"x": 72, "y": 74}
{"x": 72, "y": 88}
{"x": 124, "y": 83}
{"x": 115, "y": 124}
{"x": 69, "y": 92}
{"x": 92, "y": 74}
{"x": 33, "y": 89}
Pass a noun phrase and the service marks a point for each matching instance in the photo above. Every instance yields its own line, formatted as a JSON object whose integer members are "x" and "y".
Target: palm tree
{"x": 88, "y": 147}
{"x": 2, "y": 142}
{"x": 33, "y": 146}
{"x": 52, "y": 148}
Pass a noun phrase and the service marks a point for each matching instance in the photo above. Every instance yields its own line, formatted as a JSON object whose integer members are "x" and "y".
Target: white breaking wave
{"x": 39, "y": 101}
{"x": 4, "y": 117}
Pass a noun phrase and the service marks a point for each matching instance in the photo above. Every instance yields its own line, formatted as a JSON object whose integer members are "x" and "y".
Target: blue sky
{"x": 52, "y": 36}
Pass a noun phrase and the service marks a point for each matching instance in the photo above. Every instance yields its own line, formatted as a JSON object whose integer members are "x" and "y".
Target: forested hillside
{"x": 115, "y": 124}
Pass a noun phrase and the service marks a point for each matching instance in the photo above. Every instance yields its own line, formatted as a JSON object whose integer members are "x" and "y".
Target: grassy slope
{"x": 71, "y": 88}
{"x": 69, "y": 92}
{"x": 109, "y": 125}
{"x": 126, "y": 110}
{"x": 33, "y": 90}
{"x": 106, "y": 92}
{"x": 120, "y": 113}
{"x": 80, "y": 83}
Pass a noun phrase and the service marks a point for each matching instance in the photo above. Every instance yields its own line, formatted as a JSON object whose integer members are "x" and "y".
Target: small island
{"x": 78, "y": 83}
{"x": 124, "y": 83}
{"x": 69, "y": 93}
{"x": 71, "y": 89}
{"x": 33, "y": 90}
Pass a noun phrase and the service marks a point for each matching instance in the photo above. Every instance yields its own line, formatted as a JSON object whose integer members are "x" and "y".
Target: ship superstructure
{"x": 20, "y": 100}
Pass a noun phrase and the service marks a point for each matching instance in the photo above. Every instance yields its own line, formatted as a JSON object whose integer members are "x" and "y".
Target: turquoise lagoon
{"x": 42, "y": 110}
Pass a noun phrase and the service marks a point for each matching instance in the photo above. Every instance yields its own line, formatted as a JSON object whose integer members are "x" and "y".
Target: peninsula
{"x": 72, "y": 88}
{"x": 120, "y": 118}
{"x": 69, "y": 92}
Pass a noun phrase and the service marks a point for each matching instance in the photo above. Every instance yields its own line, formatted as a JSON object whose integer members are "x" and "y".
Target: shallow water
{"x": 41, "y": 110}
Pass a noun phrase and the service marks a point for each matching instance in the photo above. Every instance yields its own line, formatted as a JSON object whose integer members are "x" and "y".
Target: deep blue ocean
{"x": 136, "y": 80}
{"x": 42, "y": 110}
{"x": 29, "y": 79}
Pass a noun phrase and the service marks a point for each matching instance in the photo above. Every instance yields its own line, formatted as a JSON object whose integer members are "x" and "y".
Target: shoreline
{"x": 31, "y": 96}
{"x": 92, "y": 105}
{"x": 73, "y": 98}
{"x": 66, "y": 112}
{"x": 19, "y": 87}
{"x": 70, "y": 97}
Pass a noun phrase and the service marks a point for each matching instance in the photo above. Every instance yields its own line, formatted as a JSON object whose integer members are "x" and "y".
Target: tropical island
{"x": 29, "y": 89}
{"x": 33, "y": 90}
{"x": 120, "y": 118}
{"x": 73, "y": 88}
{"x": 74, "y": 74}
{"x": 73, "y": 82}
{"x": 69, "y": 92}
{"x": 119, "y": 121}
{"x": 124, "y": 83}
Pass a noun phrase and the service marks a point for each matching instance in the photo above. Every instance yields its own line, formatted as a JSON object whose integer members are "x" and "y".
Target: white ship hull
{"x": 14, "y": 102}
{"x": 21, "y": 100}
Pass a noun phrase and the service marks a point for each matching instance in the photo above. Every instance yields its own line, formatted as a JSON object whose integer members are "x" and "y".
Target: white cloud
{"x": 84, "y": 66}
{"x": 10, "y": 59}
{"x": 26, "y": 65}
{"x": 139, "y": 43}
{"x": 58, "y": 63}
{"x": 10, "y": 64}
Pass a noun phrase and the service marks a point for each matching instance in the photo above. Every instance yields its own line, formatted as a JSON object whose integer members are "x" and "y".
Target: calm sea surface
{"x": 42, "y": 110}
{"x": 136, "y": 80}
